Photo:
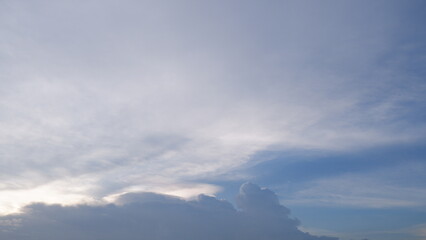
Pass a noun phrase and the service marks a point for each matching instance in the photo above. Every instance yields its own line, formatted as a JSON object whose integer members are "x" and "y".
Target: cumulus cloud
{"x": 161, "y": 217}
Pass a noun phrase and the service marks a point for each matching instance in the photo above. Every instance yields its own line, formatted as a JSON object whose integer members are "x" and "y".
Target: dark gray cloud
{"x": 160, "y": 217}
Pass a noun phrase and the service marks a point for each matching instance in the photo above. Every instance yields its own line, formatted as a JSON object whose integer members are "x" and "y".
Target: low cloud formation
{"x": 160, "y": 217}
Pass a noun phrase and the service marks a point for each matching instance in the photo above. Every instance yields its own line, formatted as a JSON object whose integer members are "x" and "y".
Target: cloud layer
{"x": 160, "y": 217}
{"x": 106, "y": 97}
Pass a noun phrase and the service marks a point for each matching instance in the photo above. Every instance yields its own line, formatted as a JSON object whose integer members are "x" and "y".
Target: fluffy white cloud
{"x": 161, "y": 217}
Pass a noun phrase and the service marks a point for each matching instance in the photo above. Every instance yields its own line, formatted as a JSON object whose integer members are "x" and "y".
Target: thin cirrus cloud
{"x": 388, "y": 187}
{"x": 157, "y": 216}
{"x": 106, "y": 97}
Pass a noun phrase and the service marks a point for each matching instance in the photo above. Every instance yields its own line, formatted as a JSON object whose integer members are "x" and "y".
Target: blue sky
{"x": 367, "y": 193}
{"x": 322, "y": 102}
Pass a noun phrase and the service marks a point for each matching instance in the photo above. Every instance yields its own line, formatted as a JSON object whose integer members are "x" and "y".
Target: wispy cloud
{"x": 132, "y": 95}
{"x": 417, "y": 230}
{"x": 384, "y": 188}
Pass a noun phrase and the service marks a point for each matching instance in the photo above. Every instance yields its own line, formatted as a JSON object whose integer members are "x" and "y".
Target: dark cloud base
{"x": 160, "y": 217}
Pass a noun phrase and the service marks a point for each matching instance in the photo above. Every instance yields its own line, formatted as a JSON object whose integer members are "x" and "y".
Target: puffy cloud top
{"x": 160, "y": 217}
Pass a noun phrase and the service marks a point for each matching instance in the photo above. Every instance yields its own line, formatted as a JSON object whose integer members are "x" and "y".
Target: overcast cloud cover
{"x": 100, "y": 98}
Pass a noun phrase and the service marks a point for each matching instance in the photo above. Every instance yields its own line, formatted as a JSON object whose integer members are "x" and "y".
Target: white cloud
{"x": 135, "y": 94}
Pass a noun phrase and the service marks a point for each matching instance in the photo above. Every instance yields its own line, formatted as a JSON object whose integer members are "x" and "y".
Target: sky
{"x": 307, "y": 115}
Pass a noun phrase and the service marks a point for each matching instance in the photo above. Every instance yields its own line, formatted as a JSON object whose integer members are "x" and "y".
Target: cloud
{"x": 161, "y": 217}
{"x": 388, "y": 187}
{"x": 142, "y": 94}
{"x": 417, "y": 230}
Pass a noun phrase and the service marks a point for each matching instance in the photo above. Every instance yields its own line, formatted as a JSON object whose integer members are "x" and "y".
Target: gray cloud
{"x": 160, "y": 217}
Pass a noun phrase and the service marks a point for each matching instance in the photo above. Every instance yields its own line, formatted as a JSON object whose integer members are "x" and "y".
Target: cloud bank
{"x": 160, "y": 217}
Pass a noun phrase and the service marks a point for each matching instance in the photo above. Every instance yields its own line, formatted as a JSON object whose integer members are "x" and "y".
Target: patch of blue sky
{"x": 400, "y": 166}
{"x": 299, "y": 167}
{"x": 357, "y": 220}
